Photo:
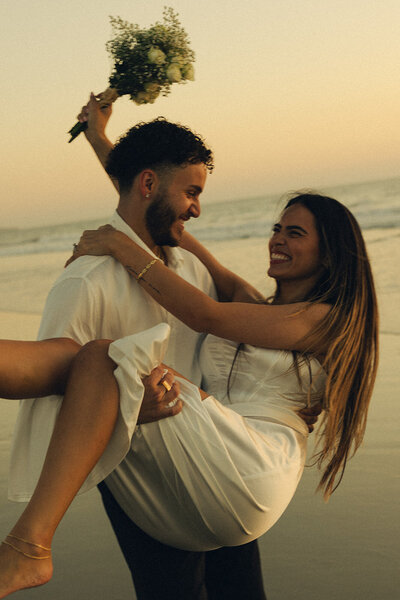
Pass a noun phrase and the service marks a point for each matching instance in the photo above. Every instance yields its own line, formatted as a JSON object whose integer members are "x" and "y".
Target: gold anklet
{"x": 28, "y": 542}
{"x": 25, "y": 553}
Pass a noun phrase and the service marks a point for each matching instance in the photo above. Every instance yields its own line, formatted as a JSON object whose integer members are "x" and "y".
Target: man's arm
{"x": 97, "y": 119}
{"x": 230, "y": 287}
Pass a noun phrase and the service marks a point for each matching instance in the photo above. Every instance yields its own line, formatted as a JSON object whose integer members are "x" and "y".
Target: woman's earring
{"x": 147, "y": 196}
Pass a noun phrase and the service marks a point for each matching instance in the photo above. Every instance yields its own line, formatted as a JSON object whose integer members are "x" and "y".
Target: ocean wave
{"x": 375, "y": 206}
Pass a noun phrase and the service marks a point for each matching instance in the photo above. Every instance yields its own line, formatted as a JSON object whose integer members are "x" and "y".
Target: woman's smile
{"x": 277, "y": 258}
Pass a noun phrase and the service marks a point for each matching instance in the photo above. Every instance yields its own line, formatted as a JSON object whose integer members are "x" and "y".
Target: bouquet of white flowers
{"x": 146, "y": 61}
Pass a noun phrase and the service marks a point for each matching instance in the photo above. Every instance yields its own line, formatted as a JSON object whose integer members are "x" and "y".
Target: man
{"x": 160, "y": 171}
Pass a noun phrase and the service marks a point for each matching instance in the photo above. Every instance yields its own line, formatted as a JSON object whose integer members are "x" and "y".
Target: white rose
{"x": 174, "y": 73}
{"x": 188, "y": 72}
{"x": 156, "y": 56}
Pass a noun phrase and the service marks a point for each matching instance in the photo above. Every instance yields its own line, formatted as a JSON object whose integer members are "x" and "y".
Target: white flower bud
{"x": 156, "y": 56}
{"x": 143, "y": 98}
{"x": 108, "y": 97}
{"x": 177, "y": 60}
{"x": 188, "y": 72}
{"x": 152, "y": 87}
{"x": 174, "y": 73}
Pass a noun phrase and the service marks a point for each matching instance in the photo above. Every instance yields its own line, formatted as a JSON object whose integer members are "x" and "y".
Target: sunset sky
{"x": 288, "y": 93}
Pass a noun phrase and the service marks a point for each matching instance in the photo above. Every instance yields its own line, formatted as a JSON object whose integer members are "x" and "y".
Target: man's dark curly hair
{"x": 155, "y": 145}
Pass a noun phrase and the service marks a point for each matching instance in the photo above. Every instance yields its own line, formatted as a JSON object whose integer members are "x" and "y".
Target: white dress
{"x": 220, "y": 473}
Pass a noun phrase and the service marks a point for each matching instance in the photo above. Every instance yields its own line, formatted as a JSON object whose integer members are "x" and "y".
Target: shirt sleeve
{"x": 69, "y": 311}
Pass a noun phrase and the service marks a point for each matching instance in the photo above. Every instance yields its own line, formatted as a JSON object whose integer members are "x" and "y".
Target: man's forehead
{"x": 191, "y": 174}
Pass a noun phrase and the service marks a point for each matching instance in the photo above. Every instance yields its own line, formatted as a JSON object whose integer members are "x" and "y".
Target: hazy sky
{"x": 288, "y": 93}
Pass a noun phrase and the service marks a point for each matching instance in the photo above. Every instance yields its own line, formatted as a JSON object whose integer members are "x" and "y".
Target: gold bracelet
{"x": 147, "y": 267}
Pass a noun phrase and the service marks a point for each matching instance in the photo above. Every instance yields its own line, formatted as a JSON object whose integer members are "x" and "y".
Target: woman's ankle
{"x": 27, "y": 548}
{"x": 36, "y": 537}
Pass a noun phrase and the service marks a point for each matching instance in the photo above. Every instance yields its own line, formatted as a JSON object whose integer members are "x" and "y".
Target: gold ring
{"x": 166, "y": 385}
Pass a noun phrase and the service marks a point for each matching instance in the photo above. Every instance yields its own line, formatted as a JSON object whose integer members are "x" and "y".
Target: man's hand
{"x": 160, "y": 398}
{"x": 310, "y": 415}
{"x": 96, "y": 118}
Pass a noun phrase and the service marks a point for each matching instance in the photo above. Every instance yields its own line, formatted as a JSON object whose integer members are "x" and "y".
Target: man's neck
{"x": 138, "y": 226}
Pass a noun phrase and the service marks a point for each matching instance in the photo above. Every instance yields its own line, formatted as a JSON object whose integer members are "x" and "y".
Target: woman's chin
{"x": 275, "y": 271}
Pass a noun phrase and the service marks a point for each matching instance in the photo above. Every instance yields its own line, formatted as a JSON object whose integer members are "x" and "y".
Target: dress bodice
{"x": 264, "y": 383}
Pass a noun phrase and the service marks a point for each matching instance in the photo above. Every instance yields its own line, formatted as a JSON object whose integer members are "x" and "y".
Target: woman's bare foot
{"x": 18, "y": 572}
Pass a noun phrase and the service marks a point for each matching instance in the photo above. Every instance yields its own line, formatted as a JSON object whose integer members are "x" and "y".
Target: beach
{"x": 347, "y": 549}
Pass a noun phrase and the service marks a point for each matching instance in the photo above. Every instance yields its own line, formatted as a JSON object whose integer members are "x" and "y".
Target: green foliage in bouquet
{"x": 148, "y": 61}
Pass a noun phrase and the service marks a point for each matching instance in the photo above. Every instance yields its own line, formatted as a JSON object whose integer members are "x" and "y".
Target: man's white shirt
{"x": 96, "y": 298}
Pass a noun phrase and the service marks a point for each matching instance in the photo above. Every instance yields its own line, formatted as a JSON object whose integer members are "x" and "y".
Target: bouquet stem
{"x": 105, "y": 99}
{"x": 76, "y": 130}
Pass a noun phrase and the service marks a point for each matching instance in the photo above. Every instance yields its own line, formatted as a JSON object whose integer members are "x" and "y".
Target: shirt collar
{"x": 174, "y": 255}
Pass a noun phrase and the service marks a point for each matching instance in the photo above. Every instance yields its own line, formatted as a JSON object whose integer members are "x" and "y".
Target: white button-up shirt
{"x": 96, "y": 298}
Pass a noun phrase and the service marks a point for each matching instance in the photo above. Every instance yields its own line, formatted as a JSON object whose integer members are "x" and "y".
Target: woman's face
{"x": 294, "y": 247}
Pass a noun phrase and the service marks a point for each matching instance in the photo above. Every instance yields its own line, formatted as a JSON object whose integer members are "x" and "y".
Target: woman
{"x": 235, "y": 485}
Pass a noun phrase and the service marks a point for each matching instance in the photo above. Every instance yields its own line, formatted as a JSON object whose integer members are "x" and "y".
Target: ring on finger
{"x": 167, "y": 386}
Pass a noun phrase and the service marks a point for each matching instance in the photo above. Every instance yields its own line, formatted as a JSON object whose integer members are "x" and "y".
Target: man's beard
{"x": 159, "y": 219}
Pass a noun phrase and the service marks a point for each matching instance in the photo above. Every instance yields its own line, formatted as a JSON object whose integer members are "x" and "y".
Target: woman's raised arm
{"x": 267, "y": 326}
{"x": 230, "y": 287}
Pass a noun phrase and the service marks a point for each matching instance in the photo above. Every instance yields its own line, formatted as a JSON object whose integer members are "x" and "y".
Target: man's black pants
{"x": 160, "y": 572}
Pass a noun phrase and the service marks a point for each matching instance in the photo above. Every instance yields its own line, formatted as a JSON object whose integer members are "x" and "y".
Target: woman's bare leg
{"x": 83, "y": 429}
{"x": 33, "y": 369}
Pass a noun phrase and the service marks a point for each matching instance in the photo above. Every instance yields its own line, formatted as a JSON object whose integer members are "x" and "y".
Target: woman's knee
{"x": 93, "y": 355}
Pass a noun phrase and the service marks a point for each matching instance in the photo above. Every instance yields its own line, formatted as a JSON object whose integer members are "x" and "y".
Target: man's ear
{"x": 147, "y": 183}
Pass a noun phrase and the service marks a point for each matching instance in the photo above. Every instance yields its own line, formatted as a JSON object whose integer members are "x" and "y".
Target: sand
{"x": 347, "y": 549}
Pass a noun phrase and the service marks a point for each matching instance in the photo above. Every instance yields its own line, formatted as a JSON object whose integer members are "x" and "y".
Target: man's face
{"x": 176, "y": 201}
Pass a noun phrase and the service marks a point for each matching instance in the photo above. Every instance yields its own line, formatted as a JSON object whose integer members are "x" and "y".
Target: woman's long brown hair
{"x": 349, "y": 333}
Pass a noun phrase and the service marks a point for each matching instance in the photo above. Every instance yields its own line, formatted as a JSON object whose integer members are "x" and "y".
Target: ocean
{"x": 376, "y": 205}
